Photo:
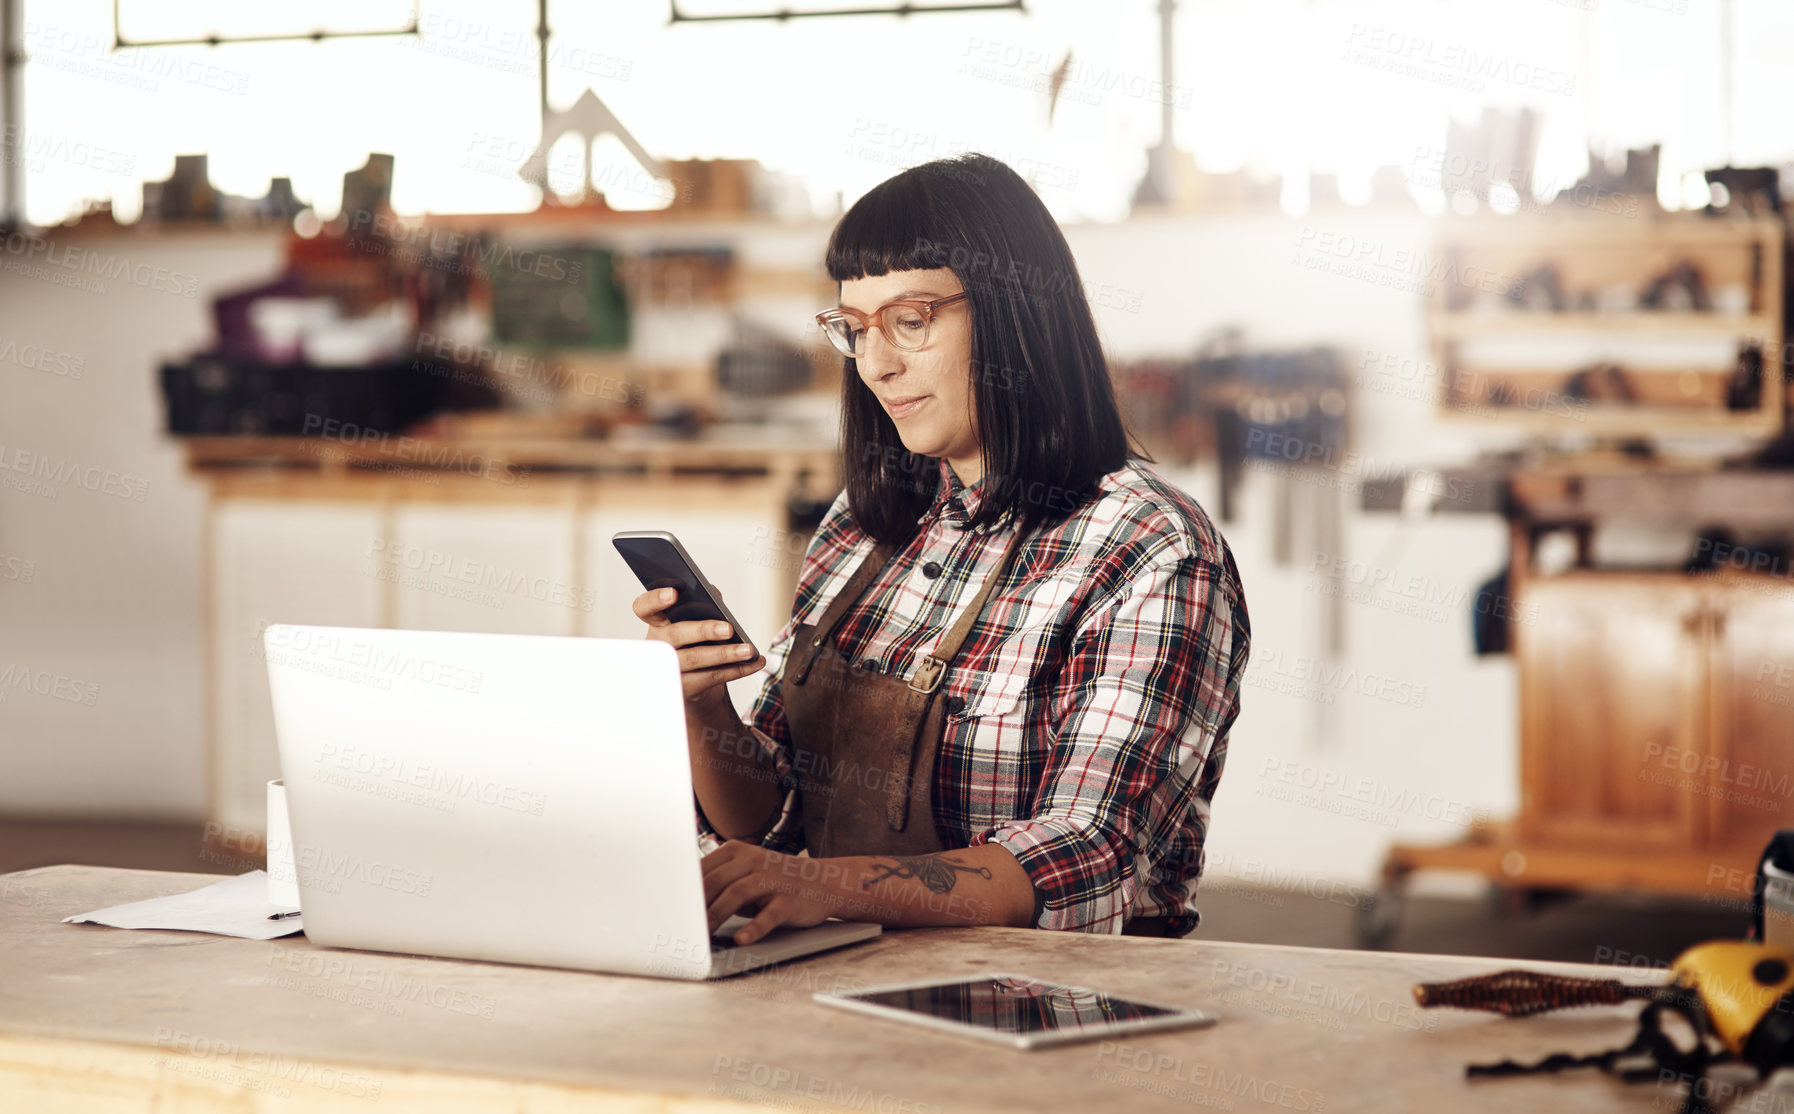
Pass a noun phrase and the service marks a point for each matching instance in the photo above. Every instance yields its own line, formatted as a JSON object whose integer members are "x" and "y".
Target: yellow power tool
{"x": 1738, "y": 997}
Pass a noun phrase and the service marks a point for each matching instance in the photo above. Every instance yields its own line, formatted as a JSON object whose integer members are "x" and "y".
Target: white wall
{"x": 114, "y": 599}
{"x": 116, "y": 595}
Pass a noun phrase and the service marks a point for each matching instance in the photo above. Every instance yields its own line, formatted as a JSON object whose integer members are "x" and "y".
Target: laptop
{"x": 510, "y": 798}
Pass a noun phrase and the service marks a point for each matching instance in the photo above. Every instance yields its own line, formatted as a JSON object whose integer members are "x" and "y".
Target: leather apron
{"x": 864, "y": 742}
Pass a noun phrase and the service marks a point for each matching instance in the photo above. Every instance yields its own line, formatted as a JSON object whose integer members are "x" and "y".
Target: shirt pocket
{"x": 993, "y": 683}
{"x": 987, "y": 693}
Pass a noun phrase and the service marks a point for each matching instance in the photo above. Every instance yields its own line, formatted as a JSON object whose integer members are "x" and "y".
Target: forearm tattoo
{"x": 937, "y": 872}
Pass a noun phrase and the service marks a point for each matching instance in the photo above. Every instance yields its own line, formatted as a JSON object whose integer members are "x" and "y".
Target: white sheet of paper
{"x": 234, "y": 907}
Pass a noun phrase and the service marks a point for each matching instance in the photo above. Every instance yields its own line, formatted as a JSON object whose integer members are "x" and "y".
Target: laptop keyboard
{"x": 724, "y": 936}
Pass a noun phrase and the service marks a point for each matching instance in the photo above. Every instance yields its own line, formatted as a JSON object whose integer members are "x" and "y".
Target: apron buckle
{"x": 929, "y": 673}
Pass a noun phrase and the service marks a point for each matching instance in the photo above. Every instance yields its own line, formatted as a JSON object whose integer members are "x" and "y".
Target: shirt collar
{"x": 954, "y": 499}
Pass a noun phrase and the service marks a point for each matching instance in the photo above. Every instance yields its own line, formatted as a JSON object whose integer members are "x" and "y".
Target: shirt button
{"x": 956, "y": 704}
{"x": 931, "y": 570}
{"x": 868, "y": 663}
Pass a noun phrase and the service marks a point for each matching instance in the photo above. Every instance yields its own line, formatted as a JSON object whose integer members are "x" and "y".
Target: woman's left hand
{"x": 775, "y": 889}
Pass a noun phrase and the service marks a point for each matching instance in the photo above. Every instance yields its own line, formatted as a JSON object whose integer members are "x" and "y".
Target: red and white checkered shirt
{"x": 1087, "y": 711}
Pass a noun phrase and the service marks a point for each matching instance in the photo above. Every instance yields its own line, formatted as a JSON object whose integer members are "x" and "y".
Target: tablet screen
{"x": 1014, "y": 1005}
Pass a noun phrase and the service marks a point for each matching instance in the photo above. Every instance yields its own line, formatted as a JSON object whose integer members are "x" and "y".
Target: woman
{"x": 1004, "y": 693}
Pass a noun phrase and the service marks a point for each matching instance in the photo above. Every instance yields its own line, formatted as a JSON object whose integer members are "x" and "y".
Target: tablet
{"x": 1015, "y": 1010}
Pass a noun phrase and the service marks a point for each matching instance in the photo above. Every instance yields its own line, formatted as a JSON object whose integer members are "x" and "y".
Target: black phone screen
{"x": 658, "y": 565}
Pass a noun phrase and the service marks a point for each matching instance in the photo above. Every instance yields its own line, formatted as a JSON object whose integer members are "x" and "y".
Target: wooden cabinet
{"x": 1750, "y": 711}
{"x": 1612, "y": 680}
{"x": 1657, "y": 710}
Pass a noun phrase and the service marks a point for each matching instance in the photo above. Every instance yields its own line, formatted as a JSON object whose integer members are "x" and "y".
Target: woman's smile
{"x": 905, "y": 407}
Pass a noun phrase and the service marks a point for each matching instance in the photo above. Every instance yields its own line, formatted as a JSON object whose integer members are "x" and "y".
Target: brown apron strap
{"x": 933, "y": 667}
{"x": 917, "y": 759}
{"x": 838, "y": 608}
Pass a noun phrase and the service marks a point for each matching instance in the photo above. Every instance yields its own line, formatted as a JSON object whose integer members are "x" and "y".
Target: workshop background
{"x": 1464, "y": 319}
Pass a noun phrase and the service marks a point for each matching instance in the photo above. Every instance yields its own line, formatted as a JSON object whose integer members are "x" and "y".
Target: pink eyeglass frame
{"x": 866, "y": 321}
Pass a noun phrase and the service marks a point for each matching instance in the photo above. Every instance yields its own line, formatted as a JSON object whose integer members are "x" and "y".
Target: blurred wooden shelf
{"x": 1488, "y": 268}
{"x": 1483, "y": 323}
{"x": 538, "y": 458}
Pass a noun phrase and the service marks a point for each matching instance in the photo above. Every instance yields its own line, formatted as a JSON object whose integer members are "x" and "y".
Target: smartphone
{"x": 659, "y": 561}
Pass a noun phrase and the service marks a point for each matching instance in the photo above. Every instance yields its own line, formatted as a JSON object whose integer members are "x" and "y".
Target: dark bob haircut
{"x": 1047, "y": 422}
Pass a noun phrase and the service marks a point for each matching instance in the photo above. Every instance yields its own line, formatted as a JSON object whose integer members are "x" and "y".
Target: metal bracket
{"x": 929, "y": 673}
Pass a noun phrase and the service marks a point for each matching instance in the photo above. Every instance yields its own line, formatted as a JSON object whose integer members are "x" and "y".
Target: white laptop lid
{"x": 500, "y": 797}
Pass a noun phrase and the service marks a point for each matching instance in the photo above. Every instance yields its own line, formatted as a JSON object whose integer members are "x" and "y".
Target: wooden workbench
{"x": 96, "y": 1020}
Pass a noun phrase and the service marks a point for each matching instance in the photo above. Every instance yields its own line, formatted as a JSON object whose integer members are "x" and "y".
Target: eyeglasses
{"x": 905, "y": 324}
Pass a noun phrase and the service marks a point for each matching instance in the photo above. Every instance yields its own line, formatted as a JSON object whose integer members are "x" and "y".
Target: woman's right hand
{"x": 703, "y": 670}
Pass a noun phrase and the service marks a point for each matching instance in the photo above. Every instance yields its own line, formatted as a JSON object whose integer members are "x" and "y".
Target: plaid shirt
{"x": 1087, "y": 711}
